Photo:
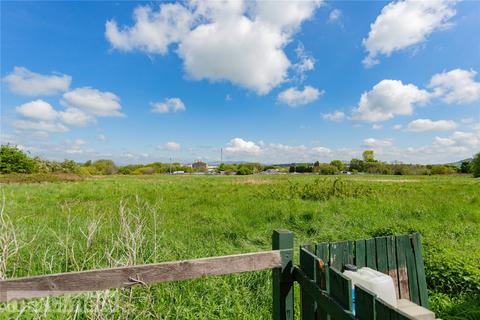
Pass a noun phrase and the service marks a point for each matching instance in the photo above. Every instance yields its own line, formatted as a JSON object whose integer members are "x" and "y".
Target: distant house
{"x": 199, "y": 165}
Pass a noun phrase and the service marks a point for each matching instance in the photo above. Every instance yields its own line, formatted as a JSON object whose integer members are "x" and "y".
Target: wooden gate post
{"x": 282, "y": 281}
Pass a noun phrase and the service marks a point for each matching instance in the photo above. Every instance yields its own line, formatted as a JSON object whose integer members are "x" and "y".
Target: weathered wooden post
{"x": 282, "y": 281}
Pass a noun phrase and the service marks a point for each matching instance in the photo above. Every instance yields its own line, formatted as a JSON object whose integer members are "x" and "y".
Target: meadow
{"x": 119, "y": 220}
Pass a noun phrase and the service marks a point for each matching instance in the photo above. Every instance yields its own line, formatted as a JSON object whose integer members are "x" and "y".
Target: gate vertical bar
{"x": 282, "y": 282}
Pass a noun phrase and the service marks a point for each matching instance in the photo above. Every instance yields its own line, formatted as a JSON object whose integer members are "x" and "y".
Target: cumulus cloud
{"x": 335, "y": 116}
{"x": 37, "y": 110}
{"x": 422, "y": 125}
{"x": 169, "y": 105}
{"x": 239, "y": 146}
{"x": 153, "y": 31}
{"x": 25, "y": 82}
{"x": 402, "y": 24}
{"x": 456, "y": 86}
{"x": 458, "y": 143}
{"x": 220, "y": 40}
{"x": 93, "y": 101}
{"x": 295, "y": 97}
{"x": 82, "y": 106}
{"x": 377, "y": 143}
{"x": 387, "y": 99}
{"x": 75, "y": 117}
{"x": 171, "y": 146}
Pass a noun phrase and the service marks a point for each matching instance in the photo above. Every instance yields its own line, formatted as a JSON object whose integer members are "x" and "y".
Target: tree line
{"x": 14, "y": 160}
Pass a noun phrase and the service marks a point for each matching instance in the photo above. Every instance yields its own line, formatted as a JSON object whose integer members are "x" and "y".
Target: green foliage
{"x": 368, "y": 156}
{"x": 466, "y": 166}
{"x": 14, "y": 160}
{"x": 476, "y": 165}
{"x": 439, "y": 169}
{"x": 339, "y": 164}
{"x": 105, "y": 167}
{"x": 301, "y": 168}
{"x": 357, "y": 165}
{"x": 327, "y": 169}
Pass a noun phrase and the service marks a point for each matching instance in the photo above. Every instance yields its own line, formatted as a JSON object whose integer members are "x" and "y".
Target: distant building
{"x": 199, "y": 165}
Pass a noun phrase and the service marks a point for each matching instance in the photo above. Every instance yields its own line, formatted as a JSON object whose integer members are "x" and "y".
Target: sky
{"x": 264, "y": 81}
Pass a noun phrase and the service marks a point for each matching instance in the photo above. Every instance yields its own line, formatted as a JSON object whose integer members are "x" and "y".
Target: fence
{"x": 325, "y": 292}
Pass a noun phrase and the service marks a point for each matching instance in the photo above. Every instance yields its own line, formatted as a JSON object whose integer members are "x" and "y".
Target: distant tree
{"x": 368, "y": 156}
{"x": 476, "y": 165}
{"x": 339, "y": 164}
{"x": 88, "y": 163}
{"x": 316, "y": 164}
{"x": 466, "y": 166}
{"x": 327, "y": 169}
{"x": 105, "y": 167}
{"x": 357, "y": 165}
{"x": 14, "y": 160}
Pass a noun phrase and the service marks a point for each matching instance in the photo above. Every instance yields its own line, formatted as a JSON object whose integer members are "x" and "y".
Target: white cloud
{"x": 37, "y": 110}
{"x": 93, "y": 101}
{"x": 387, "y": 99}
{"x": 75, "y": 117}
{"x": 171, "y": 146}
{"x": 402, "y": 24}
{"x": 234, "y": 41}
{"x": 334, "y": 15}
{"x": 459, "y": 143}
{"x": 25, "y": 82}
{"x": 397, "y": 126}
{"x": 102, "y": 137}
{"x": 456, "y": 86}
{"x": 336, "y": 116}
{"x": 377, "y": 126}
{"x": 377, "y": 143}
{"x": 422, "y": 125}
{"x": 169, "y": 105}
{"x": 153, "y": 31}
{"x": 41, "y": 125}
{"x": 239, "y": 146}
{"x": 305, "y": 63}
{"x": 294, "y": 97}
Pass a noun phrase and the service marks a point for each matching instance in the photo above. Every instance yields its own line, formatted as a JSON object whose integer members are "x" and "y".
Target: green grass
{"x": 123, "y": 220}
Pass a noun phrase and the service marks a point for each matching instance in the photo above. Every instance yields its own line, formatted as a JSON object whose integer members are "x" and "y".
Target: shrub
{"x": 476, "y": 165}
{"x": 14, "y": 160}
{"x": 327, "y": 169}
{"x": 466, "y": 166}
{"x": 105, "y": 167}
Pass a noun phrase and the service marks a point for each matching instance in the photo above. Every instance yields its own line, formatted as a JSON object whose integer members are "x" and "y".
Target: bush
{"x": 327, "y": 169}
{"x": 14, "y": 160}
{"x": 476, "y": 165}
{"x": 106, "y": 167}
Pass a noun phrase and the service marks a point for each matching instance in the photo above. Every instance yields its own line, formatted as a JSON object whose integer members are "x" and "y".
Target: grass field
{"x": 120, "y": 220}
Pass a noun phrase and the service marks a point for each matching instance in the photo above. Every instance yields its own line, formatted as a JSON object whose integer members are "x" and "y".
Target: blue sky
{"x": 266, "y": 81}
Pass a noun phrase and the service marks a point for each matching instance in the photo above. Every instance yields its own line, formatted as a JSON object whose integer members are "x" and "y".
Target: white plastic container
{"x": 377, "y": 282}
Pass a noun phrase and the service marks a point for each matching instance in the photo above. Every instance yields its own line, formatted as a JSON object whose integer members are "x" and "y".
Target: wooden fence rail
{"x": 102, "y": 279}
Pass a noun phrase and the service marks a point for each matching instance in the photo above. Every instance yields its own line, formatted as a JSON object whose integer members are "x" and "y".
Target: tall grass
{"x": 58, "y": 227}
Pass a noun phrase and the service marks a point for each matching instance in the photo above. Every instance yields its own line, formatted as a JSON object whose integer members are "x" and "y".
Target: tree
{"x": 339, "y": 164}
{"x": 15, "y": 160}
{"x": 466, "y": 166}
{"x": 105, "y": 167}
{"x": 368, "y": 156}
{"x": 357, "y": 165}
{"x": 476, "y": 165}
